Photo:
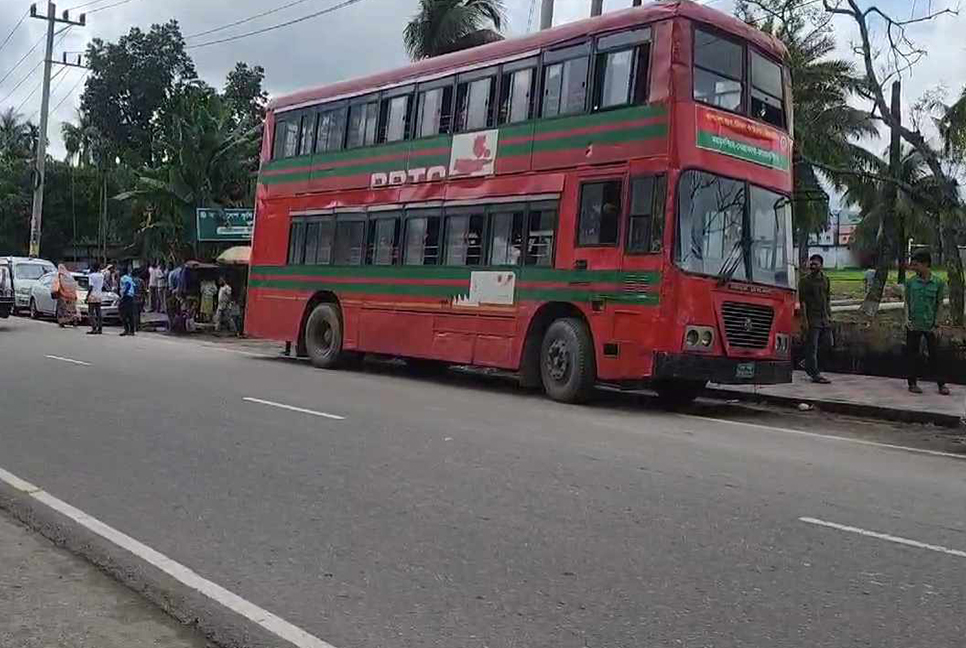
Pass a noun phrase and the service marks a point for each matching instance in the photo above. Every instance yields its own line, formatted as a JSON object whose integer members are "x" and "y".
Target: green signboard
{"x": 225, "y": 224}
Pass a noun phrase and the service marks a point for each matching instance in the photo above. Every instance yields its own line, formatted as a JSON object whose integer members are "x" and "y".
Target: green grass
{"x": 850, "y": 283}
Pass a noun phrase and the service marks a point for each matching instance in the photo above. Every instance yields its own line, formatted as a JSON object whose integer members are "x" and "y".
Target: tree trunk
{"x": 954, "y": 265}
{"x": 802, "y": 249}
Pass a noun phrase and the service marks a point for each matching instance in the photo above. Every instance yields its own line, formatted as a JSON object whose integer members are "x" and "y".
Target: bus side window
{"x": 394, "y": 119}
{"x": 541, "y": 226}
{"x": 331, "y": 130}
{"x": 434, "y": 110}
{"x": 474, "y": 104}
{"x": 600, "y": 211}
{"x": 323, "y": 255}
{"x": 422, "y": 241}
{"x": 517, "y": 95}
{"x": 383, "y": 247}
{"x": 565, "y": 81}
{"x": 506, "y": 236}
{"x": 363, "y": 122}
{"x": 622, "y": 67}
{"x": 718, "y": 71}
{"x": 307, "y": 140}
{"x": 311, "y": 242}
{"x": 645, "y": 232}
{"x": 296, "y": 243}
{"x": 350, "y": 237}
{"x": 464, "y": 239}
{"x": 286, "y": 138}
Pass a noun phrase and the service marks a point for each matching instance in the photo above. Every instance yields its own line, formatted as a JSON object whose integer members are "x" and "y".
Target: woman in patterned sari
{"x": 66, "y": 289}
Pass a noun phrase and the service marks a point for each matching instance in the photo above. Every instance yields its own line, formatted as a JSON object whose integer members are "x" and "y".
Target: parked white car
{"x": 26, "y": 273}
{"x": 43, "y": 305}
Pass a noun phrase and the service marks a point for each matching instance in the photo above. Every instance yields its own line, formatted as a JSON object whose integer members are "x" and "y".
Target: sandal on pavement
{"x": 821, "y": 380}
{"x": 915, "y": 389}
{"x": 944, "y": 390}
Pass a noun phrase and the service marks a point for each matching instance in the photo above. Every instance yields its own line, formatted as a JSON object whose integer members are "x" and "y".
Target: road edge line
{"x": 176, "y": 589}
{"x": 908, "y": 542}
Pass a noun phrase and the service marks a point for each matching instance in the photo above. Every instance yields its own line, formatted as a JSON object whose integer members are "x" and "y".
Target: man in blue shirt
{"x": 126, "y": 305}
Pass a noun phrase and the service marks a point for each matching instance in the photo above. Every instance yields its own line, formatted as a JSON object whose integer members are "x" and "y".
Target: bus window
{"x": 517, "y": 92}
{"x": 434, "y": 110}
{"x": 422, "y": 241}
{"x": 331, "y": 130}
{"x": 363, "y": 120}
{"x": 717, "y": 71}
{"x": 311, "y": 242}
{"x": 350, "y": 238}
{"x": 383, "y": 248}
{"x": 565, "y": 81}
{"x": 296, "y": 243}
{"x": 540, "y": 235}
{"x": 506, "y": 236}
{"x": 308, "y": 131}
{"x": 622, "y": 64}
{"x": 646, "y": 223}
{"x": 286, "y": 137}
{"x": 394, "y": 119}
{"x": 464, "y": 239}
{"x": 474, "y": 102}
{"x": 323, "y": 255}
{"x": 600, "y": 210}
{"x": 766, "y": 91}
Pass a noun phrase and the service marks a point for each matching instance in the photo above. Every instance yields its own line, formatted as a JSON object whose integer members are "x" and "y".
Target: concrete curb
{"x": 842, "y": 407}
{"x": 220, "y": 626}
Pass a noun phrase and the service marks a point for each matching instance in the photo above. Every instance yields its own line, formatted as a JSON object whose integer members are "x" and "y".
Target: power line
{"x": 21, "y": 82}
{"x": 341, "y": 5}
{"x": 37, "y": 87}
{"x": 116, "y": 4}
{"x": 72, "y": 90}
{"x": 84, "y": 4}
{"x": 24, "y": 57}
{"x": 13, "y": 31}
{"x": 249, "y": 19}
{"x": 52, "y": 90}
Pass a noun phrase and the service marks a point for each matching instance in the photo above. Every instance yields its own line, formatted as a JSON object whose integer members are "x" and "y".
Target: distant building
{"x": 834, "y": 243}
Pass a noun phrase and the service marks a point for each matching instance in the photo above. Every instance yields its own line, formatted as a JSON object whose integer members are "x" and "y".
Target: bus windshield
{"x": 730, "y": 229}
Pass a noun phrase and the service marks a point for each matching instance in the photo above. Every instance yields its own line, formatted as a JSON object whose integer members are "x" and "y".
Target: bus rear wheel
{"x": 323, "y": 336}
{"x": 568, "y": 367}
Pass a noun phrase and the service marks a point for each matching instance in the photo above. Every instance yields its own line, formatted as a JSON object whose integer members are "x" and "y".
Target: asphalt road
{"x": 462, "y": 512}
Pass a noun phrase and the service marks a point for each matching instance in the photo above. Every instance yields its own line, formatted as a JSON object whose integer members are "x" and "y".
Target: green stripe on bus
{"x": 529, "y": 273}
{"x": 424, "y": 290}
{"x": 368, "y": 152}
{"x": 653, "y": 131}
{"x": 563, "y": 124}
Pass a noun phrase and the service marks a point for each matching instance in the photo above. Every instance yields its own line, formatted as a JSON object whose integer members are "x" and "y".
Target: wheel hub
{"x": 558, "y": 360}
{"x": 323, "y": 337}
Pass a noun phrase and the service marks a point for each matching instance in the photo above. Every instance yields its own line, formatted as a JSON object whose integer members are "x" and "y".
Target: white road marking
{"x": 274, "y": 624}
{"x": 829, "y": 437}
{"x": 76, "y": 362}
{"x": 884, "y": 536}
{"x": 292, "y": 408}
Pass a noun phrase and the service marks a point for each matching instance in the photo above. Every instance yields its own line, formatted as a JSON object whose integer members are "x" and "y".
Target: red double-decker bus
{"x": 603, "y": 202}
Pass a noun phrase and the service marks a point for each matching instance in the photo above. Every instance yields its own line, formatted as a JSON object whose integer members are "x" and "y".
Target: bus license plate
{"x": 745, "y": 370}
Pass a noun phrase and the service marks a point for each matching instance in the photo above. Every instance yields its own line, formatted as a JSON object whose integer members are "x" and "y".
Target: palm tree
{"x": 82, "y": 141}
{"x": 952, "y": 128}
{"x": 444, "y": 26}
{"x": 16, "y": 135}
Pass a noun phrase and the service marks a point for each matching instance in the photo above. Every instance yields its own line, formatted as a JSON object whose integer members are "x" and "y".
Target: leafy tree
{"x": 17, "y": 136}
{"x": 205, "y": 162}
{"x": 244, "y": 94}
{"x": 444, "y": 26}
{"x": 130, "y": 82}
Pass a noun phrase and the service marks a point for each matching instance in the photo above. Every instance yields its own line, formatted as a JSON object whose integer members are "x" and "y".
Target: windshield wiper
{"x": 731, "y": 262}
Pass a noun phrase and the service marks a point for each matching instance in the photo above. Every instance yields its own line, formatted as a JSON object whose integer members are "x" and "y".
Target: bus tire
{"x": 568, "y": 367}
{"x": 678, "y": 394}
{"x": 323, "y": 336}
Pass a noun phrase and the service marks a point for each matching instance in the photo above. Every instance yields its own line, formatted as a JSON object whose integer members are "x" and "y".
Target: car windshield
{"x": 32, "y": 271}
{"x": 734, "y": 230}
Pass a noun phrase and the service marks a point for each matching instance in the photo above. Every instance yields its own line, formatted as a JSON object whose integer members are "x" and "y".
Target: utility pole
{"x": 596, "y": 7}
{"x": 36, "y": 219}
{"x": 546, "y": 14}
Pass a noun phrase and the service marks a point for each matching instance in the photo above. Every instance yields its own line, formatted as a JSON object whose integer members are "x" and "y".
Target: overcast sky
{"x": 359, "y": 39}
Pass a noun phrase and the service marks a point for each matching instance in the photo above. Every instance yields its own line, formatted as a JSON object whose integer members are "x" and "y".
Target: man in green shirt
{"x": 814, "y": 294}
{"x": 924, "y": 296}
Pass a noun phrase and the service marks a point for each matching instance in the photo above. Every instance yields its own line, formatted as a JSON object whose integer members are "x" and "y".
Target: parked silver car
{"x": 43, "y": 305}
{"x": 27, "y": 272}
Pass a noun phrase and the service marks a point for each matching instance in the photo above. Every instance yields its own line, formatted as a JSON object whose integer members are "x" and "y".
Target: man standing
{"x": 224, "y": 304}
{"x": 127, "y": 305}
{"x": 95, "y": 294}
{"x": 153, "y": 297}
{"x": 814, "y": 294}
{"x": 924, "y": 296}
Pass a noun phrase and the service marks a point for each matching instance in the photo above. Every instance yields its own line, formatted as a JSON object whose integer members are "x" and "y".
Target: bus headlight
{"x": 699, "y": 338}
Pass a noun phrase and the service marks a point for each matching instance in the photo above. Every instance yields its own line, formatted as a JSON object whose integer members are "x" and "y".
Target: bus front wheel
{"x": 323, "y": 336}
{"x": 567, "y": 364}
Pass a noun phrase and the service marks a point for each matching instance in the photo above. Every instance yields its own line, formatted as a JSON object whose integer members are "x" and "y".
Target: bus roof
{"x": 519, "y": 47}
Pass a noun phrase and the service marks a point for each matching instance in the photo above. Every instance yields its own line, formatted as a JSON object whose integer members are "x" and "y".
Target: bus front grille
{"x": 747, "y": 325}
